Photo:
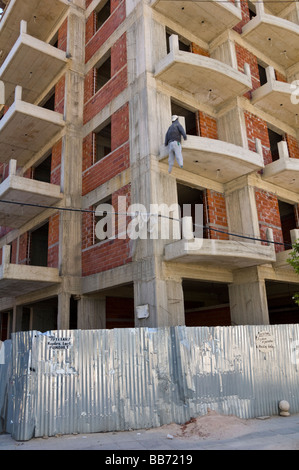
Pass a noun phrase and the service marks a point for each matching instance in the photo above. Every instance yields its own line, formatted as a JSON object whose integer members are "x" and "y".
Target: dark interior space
{"x": 274, "y": 139}
{"x": 190, "y": 117}
{"x": 206, "y": 303}
{"x": 184, "y": 44}
{"x": 103, "y": 74}
{"x": 73, "y": 313}
{"x": 38, "y": 250}
{"x": 191, "y": 202}
{"x": 281, "y": 306}
{"x": 103, "y": 14}
{"x": 50, "y": 103}
{"x": 103, "y": 142}
{"x": 288, "y": 221}
{"x": 4, "y": 318}
{"x": 42, "y": 172}
{"x": 262, "y": 74}
{"x": 120, "y": 310}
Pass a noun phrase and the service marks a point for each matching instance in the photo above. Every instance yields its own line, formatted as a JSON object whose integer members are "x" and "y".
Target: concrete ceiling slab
{"x": 283, "y": 173}
{"x": 199, "y": 17}
{"x": 42, "y": 17}
{"x": 25, "y": 129}
{"x": 275, "y": 99}
{"x": 277, "y": 36}
{"x": 33, "y": 65}
{"x": 210, "y": 81}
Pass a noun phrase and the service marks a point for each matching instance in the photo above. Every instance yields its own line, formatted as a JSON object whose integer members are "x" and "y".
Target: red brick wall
{"x": 53, "y": 241}
{"x": 246, "y": 57}
{"x": 268, "y": 216}
{"x": 105, "y": 169}
{"x": 280, "y": 77}
{"x": 116, "y": 161}
{"x": 195, "y": 49}
{"x": 245, "y": 17}
{"x": 105, "y": 95}
{"x": 207, "y": 126}
{"x": 293, "y": 146}
{"x": 94, "y": 40}
{"x": 257, "y": 128}
{"x": 107, "y": 254}
{"x": 215, "y": 216}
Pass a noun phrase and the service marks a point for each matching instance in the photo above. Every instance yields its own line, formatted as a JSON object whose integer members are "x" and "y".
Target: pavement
{"x": 265, "y": 433}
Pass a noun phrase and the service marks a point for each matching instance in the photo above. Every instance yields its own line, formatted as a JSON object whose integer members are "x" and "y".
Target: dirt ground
{"x": 211, "y": 425}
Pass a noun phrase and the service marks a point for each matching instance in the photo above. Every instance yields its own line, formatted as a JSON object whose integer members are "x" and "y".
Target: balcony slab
{"x": 217, "y": 160}
{"x": 25, "y": 129}
{"x": 199, "y": 17}
{"x": 276, "y": 37}
{"x": 21, "y": 198}
{"x": 42, "y": 17}
{"x": 228, "y": 253}
{"x": 33, "y": 65}
{"x": 283, "y": 172}
{"x": 20, "y": 279}
{"x": 210, "y": 81}
{"x": 275, "y": 98}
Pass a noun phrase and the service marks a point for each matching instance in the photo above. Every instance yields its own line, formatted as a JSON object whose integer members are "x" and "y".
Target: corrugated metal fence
{"x": 82, "y": 381}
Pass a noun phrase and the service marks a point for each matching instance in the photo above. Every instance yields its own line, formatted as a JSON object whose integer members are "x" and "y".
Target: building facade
{"x": 88, "y": 90}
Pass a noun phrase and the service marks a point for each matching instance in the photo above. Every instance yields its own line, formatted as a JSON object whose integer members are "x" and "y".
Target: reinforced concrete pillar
{"x": 92, "y": 312}
{"x": 63, "y": 316}
{"x": 248, "y": 303}
{"x": 158, "y": 303}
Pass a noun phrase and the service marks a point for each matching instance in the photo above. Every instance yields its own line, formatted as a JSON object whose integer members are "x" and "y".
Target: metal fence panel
{"x": 5, "y": 373}
{"x": 77, "y": 381}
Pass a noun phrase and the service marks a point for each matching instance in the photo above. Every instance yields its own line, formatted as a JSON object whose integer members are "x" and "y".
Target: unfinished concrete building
{"x": 88, "y": 89}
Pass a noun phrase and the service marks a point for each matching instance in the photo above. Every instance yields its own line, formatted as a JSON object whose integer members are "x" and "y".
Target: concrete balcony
{"x": 19, "y": 279}
{"x": 199, "y": 17}
{"x": 43, "y": 18}
{"x": 282, "y": 257}
{"x": 217, "y": 160}
{"x": 18, "y": 193}
{"x": 231, "y": 254}
{"x": 283, "y": 172}
{"x": 208, "y": 80}
{"x": 25, "y": 129}
{"x": 275, "y": 98}
{"x": 275, "y": 37}
{"x": 31, "y": 64}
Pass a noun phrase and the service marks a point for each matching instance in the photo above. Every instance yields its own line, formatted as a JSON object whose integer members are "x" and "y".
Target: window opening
{"x": 103, "y": 74}
{"x": 102, "y": 143}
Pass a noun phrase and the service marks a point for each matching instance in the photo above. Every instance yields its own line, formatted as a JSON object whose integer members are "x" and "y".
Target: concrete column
{"x": 242, "y": 213}
{"x": 71, "y": 165}
{"x": 248, "y": 303}
{"x": 163, "y": 300}
{"x": 160, "y": 299}
{"x": 91, "y": 313}
{"x": 63, "y": 316}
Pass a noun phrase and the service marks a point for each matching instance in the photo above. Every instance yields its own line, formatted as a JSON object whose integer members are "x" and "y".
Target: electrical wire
{"x": 146, "y": 214}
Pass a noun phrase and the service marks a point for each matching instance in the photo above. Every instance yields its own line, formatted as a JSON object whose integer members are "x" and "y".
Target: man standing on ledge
{"x": 173, "y": 140}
